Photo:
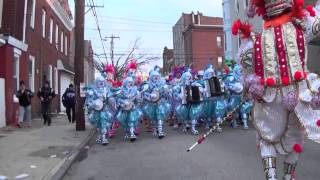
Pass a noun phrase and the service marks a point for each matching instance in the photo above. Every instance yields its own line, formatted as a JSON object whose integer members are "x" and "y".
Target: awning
{"x": 65, "y": 67}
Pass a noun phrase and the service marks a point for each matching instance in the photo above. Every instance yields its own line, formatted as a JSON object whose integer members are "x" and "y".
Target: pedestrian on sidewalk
{"x": 46, "y": 94}
{"x": 68, "y": 101}
{"x": 24, "y": 95}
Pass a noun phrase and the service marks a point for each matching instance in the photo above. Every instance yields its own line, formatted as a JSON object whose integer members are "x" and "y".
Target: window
{"x": 1, "y": 6}
{"x": 61, "y": 42}
{"x": 33, "y": 13}
{"x": 237, "y": 6}
{"x": 51, "y": 30}
{"x": 31, "y": 68}
{"x": 43, "y": 23}
{"x": 16, "y": 69}
{"x": 55, "y": 80}
{"x": 219, "y": 41}
{"x": 50, "y": 75}
{"x": 57, "y": 36}
{"x": 66, "y": 45}
{"x": 220, "y": 61}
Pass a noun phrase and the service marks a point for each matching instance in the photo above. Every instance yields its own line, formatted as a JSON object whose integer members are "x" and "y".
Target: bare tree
{"x": 124, "y": 59}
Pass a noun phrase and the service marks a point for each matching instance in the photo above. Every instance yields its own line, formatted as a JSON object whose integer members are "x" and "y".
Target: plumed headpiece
{"x": 109, "y": 68}
{"x": 177, "y": 70}
{"x": 132, "y": 65}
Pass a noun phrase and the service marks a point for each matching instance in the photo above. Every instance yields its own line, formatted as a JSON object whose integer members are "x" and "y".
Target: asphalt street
{"x": 231, "y": 155}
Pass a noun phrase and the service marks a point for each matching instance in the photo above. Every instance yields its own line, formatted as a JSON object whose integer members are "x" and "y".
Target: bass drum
{"x": 155, "y": 96}
{"x": 98, "y": 104}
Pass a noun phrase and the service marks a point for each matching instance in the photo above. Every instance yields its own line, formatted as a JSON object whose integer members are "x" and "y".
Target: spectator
{"x": 68, "y": 101}
{"x": 24, "y": 95}
{"x": 46, "y": 94}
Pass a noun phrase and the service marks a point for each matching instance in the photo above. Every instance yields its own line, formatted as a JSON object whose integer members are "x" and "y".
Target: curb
{"x": 61, "y": 169}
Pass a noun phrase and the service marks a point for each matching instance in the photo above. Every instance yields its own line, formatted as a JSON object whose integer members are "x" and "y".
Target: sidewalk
{"x": 39, "y": 151}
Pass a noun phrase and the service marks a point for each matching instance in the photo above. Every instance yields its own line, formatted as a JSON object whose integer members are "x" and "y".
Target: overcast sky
{"x": 150, "y": 20}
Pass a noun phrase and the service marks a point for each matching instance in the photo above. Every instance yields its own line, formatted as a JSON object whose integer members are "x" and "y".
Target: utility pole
{"x": 79, "y": 63}
{"x": 112, "y": 37}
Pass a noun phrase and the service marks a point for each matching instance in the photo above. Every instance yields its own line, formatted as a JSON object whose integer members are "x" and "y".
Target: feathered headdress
{"x": 177, "y": 70}
{"x": 109, "y": 68}
{"x": 244, "y": 28}
{"x": 132, "y": 65}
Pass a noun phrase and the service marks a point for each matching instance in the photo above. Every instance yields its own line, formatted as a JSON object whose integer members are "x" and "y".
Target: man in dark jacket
{"x": 68, "y": 101}
{"x": 24, "y": 95}
{"x": 46, "y": 94}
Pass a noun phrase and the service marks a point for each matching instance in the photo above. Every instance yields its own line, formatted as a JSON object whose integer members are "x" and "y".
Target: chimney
{"x": 199, "y": 17}
{"x": 192, "y": 16}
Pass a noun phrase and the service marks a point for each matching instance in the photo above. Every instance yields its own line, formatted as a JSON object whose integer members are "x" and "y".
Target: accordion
{"x": 191, "y": 94}
{"x": 214, "y": 87}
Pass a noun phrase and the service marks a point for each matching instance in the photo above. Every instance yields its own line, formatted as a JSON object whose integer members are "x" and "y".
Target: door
{"x": 65, "y": 80}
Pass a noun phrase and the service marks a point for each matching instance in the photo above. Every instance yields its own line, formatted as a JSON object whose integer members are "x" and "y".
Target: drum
{"x": 214, "y": 87}
{"x": 98, "y": 104}
{"x": 194, "y": 94}
{"x": 128, "y": 105}
{"x": 155, "y": 96}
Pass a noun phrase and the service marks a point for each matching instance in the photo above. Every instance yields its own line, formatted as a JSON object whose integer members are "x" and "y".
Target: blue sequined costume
{"x": 235, "y": 98}
{"x": 129, "y": 114}
{"x": 188, "y": 113}
{"x": 99, "y": 101}
{"x": 156, "y": 107}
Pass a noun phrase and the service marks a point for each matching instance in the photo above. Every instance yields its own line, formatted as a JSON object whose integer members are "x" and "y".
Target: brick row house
{"x": 198, "y": 40}
{"x": 35, "y": 38}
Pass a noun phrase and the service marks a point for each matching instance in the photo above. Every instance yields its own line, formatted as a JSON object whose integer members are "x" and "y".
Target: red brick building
{"x": 198, "y": 40}
{"x": 168, "y": 62}
{"x": 36, "y": 42}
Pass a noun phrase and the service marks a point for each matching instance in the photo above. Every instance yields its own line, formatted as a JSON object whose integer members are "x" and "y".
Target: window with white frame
{"x": 50, "y": 75}
{"x": 219, "y": 61}
{"x": 1, "y": 7}
{"x": 57, "y": 36}
{"x": 219, "y": 41}
{"x": 55, "y": 79}
{"x": 66, "y": 45}
{"x": 33, "y": 13}
{"x": 31, "y": 69}
{"x": 51, "y": 31}
{"x": 61, "y": 42}
{"x": 43, "y": 18}
{"x": 237, "y": 6}
{"x": 16, "y": 69}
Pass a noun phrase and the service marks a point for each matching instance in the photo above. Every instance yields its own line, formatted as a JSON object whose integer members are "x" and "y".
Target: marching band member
{"x": 156, "y": 107}
{"x": 274, "y": 65}
{"x": 214, "y": 101}
{"x": 175, "y": 90}
{"x": 189, "y": 110}
{"x": 109, "y": 72}
{"x": 98, "y": 101}
{"x": 129, "y": 113}
{"x": 234, "y": 101}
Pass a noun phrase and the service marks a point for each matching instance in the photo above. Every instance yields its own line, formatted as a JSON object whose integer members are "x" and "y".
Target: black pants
{"x": 46, "y": 113}
{"x": 70, "y": 113}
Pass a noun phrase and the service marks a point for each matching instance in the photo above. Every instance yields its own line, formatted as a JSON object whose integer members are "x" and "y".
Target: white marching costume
{"x": 276, "y": 75}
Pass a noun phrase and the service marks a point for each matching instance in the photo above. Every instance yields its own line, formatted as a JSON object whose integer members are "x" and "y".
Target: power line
{"x": 93, "y": 9}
